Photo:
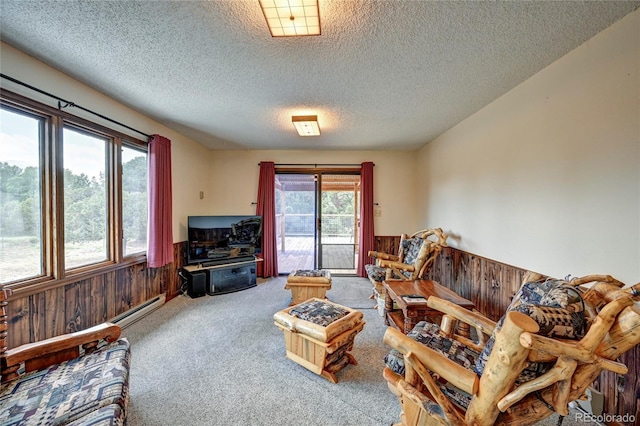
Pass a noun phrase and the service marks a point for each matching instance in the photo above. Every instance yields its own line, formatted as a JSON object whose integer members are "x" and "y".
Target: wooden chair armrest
{"x": 572, "y": 350}
{"x": 474, "y": 319}
{"x": 596, "y": 278}
{"x": 457, "y": 375}
{"x": 39, "y": 355}
{"x": 383, "y": 256}
{"x": 397, "y": 265}
{"x": 392, "y": 378}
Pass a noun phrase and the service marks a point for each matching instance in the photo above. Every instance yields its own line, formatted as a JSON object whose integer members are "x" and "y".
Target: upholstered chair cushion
{"x": 554, "y": 322}
{"x": 558, "y": 309}
{"x": 111, "y": 415}
{"x": 318, "y": 312}
{"x": 429, "y": 335}
{"x": 375, "y": 272}
{"x": 69, "y": 391}
{"x": 411, "y": 249}
{"x": 414, "y": 249}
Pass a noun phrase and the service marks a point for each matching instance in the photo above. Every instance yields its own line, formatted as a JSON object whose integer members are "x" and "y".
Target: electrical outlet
{"x": 377, "y": 213}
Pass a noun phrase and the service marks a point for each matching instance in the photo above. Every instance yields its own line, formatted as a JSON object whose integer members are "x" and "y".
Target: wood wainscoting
{"x": 386, "y": 244}
{"x": 82, "y": 304}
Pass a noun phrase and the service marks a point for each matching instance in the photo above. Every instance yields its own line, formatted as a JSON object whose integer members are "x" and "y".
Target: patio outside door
{"x": 317, "y": 217}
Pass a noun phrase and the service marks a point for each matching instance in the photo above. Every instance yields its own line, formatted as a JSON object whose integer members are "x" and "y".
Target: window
{"x": 73, "y": 195}
{"x": 85, "y": 198}
{"x": 21, "y": 242}
{"x": 134, "y": 200}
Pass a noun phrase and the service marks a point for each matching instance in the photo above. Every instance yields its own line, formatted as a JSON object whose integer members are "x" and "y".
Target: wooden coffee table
{"x": 413, "y": 310}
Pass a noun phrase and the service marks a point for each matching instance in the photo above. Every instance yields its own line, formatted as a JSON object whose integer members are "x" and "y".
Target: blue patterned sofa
{"x": 80, "y": 378}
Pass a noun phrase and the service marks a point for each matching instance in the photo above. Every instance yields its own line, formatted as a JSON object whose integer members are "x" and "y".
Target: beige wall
{"x": 189, "y": 160}
{"x": 547, "y": 177}
{"x": 228, "y": 179}
{"x": 234, "y": 182}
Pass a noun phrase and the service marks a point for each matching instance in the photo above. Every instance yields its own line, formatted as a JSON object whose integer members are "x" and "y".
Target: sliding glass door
{"x": 338, "y": 213}
{"x": 317, "y": 221}
{"x": 296, "y": 221}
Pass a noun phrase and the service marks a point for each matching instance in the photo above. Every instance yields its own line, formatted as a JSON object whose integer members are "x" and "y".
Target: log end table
{"x": 411, "y": 299}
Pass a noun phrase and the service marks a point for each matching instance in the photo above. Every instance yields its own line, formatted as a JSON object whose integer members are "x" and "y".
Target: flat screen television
{"x": 218, "y": 239}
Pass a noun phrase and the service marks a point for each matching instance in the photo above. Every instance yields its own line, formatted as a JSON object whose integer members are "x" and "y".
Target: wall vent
{"x": 134, "y": 314}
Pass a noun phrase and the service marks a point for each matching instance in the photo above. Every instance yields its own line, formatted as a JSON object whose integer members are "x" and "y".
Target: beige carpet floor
{"x": 220, "y": 360}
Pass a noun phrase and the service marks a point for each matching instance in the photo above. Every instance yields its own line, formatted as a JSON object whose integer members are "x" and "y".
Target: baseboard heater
{"x": 134, "y": 314}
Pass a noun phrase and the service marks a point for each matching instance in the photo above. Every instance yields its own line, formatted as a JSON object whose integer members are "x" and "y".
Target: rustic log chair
{"x": 79, "y": 378}
{"x": 416, "y": 254}
{"x": 433, "y": 384}
{"x": 45, "y": 353}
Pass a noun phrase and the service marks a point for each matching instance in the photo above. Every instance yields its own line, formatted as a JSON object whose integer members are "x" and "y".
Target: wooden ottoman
{"x": 306, "y": 284}
{"x": 319, "y": 334}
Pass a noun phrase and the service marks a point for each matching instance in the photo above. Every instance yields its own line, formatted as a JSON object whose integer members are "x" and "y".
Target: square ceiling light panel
{"x": 306, "y": 125}
{"x": 292, "y": 18}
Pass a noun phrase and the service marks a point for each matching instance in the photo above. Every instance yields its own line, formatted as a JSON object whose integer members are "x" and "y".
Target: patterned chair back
{"x": 421, "y": 251}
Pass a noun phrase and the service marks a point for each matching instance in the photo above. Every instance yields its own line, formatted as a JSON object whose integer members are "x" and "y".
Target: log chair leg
{"x": 329, "y": 376}
{"x": 352, "y": 359}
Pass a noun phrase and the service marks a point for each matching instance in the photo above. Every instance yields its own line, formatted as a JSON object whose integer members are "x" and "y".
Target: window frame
{"x": 54, "y": 273}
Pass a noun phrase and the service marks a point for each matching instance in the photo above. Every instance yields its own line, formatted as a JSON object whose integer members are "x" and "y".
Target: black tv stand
{"x": 232, "y": 261}
{"x": 220, "y": 277}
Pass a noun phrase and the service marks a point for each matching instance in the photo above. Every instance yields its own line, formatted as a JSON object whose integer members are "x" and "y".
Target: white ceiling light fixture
{"x": 306, "y": 125}
{"x": 291, "y": 18}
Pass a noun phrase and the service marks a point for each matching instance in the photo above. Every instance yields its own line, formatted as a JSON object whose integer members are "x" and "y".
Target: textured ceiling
{"x": 383, "y": 74}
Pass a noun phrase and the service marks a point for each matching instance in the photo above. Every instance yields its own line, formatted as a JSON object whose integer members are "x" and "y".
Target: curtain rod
{"x": 316, "y": 165}
{"x": 71, "y": 104}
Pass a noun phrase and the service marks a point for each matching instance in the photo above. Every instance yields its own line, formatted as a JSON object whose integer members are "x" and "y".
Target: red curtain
{"x": 267, "y": 209}
{"x": 366, "y": 216}
{"x": 160, "y": 227}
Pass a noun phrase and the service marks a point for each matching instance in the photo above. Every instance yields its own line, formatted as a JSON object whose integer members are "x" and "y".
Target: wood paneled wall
{"x": 491, "y": 285}
{"x": 386, "y": 244}
{"x": 83, "y": 304}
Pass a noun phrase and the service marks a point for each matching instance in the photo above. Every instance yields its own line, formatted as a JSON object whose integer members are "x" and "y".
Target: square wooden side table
{"x": 306, "y": 284}
{"x": 411, "y": 298}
